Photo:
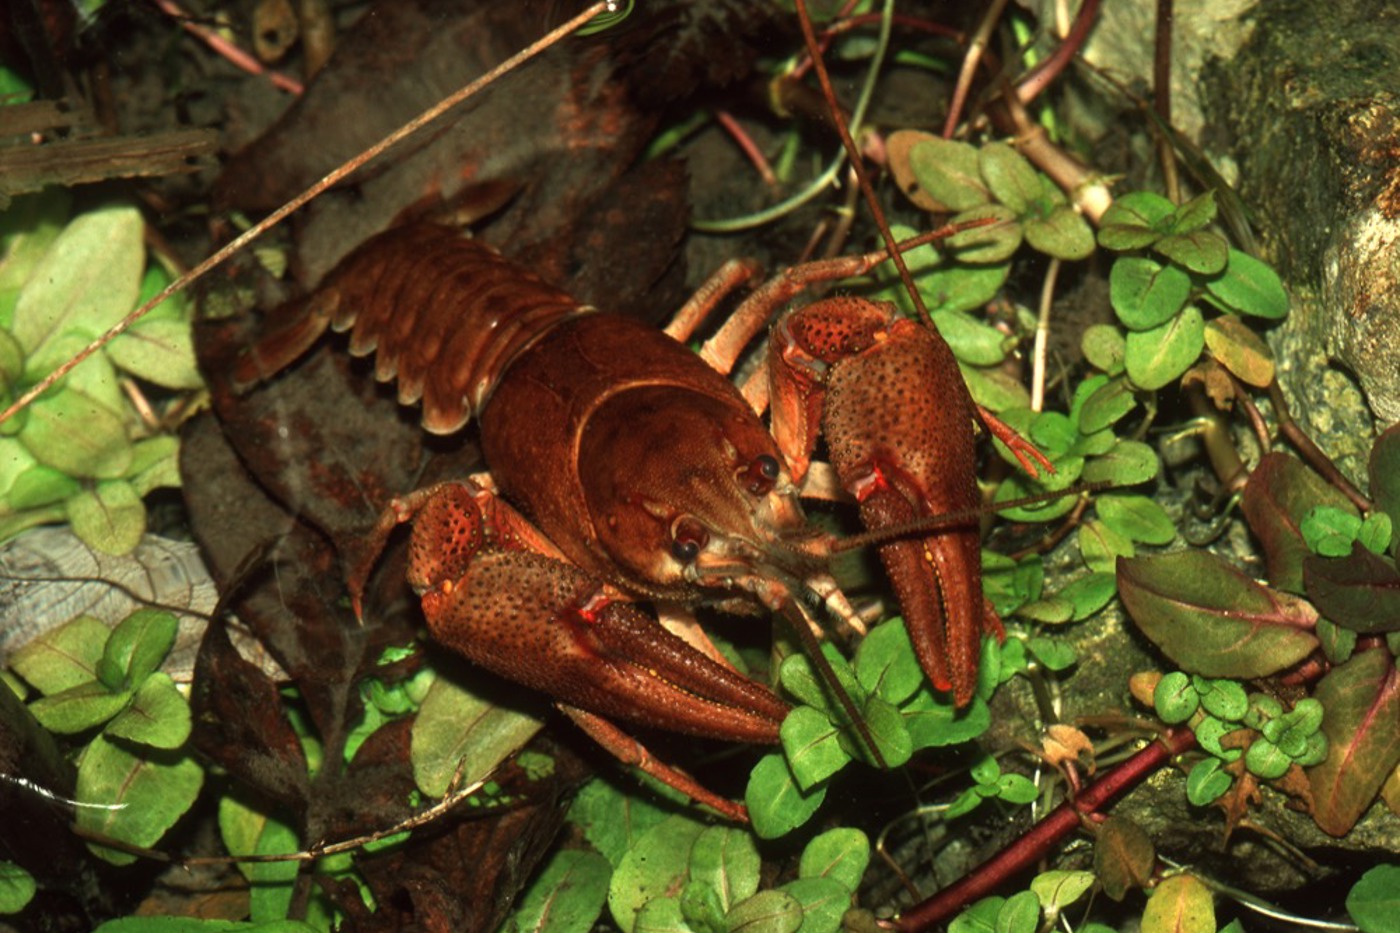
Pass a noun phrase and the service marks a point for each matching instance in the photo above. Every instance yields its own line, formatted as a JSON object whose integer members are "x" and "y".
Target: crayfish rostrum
{"x": 644, "y": 473}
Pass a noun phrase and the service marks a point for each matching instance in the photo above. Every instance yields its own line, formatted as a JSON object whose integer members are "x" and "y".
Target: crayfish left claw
{"x": 899, "y": 422}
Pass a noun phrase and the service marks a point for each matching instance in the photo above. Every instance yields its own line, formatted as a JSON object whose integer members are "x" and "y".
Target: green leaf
{"x": 457, "y": 727}
{"x": 1248, "y": 286}
{"x": 1194, "y": 214}
{"x": 989, "y": 243}
{"x": 726, "y": 860}
{"x": 1135, "y": 220}
{"x": 1158, "y": 357}
{"x": 76, "y": 435}
{"x": 17, "y": 888}
{"x": 1376, "y": 532}
{"x": 981, "y": 917}
{"x": 1179, "y": 904}
{"x": 160, "y": 352}
{"x": 824, "y": 903}
{"x": 63, "y": 657}
{"x": 1146, "y": 294}
{"x": 1058, "y": 889}
{"x": 766, "y": 912}
{"x": 799, "y": 677}
{"x": 812, "y": 745}
{"x": 1020, "y": 914}
{"x": 657, "y": 865}
{"x": 1136, "y": 518}
{"x": 28, "y": 229}
{"x": 1207, "y": 782}
{"x": 1225, "y": 699}
{"x": 1212, "y": 619}
{"x": 841, "y": 855}
{"x": 1016, "y": 788}
{"x": 86, "y": 282}
{"x": 109, "y": 517}
{"x": 567, "y": 897}
{"x": 662, "y": 915}
{"x": 158, "y": 716}
{"x": 612, "y": 820}
{"x": 79, "y": 708}
{"x": 1374, "y": 901}
{"x": 1088, "y": 594}
{"x": 1127, "y": 464}
{"x": 38, "y": 486}
{"x": 1330, "y": 531}
{"x": 934, "y": 722}
{"x": 138, "y": 645}
{"x": 1105, "y": 407}
{"x": 776, "y": 804}
{"x": 1104, "y": 348}
{"x": 1101, "y": 546}
{"x": 1009, "y": 176}
{"x": 1175, "y": 699}
{"x": 1064, "y": 234}
{"x": 948, "y": 172}
{"x": 1265, "y": 760}
{"x": 1048, "y": 610}
{"x": 971, "y": 341}
{"x": 141, "y": 796}
{"x": 959, "y": 287}
{"x": 1201, "y": 251}
{"x": 1052, "y": 653}
{"x": 247, "y": 831}
{"x": 885, "y": 664}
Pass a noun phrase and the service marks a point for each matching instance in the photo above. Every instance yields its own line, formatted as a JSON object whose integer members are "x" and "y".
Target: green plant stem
{"x": 1049, "y": 832}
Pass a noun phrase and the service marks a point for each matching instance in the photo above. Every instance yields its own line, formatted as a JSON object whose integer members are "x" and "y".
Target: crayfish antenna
{"x": 798, "y": 612}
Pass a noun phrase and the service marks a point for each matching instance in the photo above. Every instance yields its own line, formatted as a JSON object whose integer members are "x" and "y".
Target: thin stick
{"x": 277, "y": 216}
{"x": 1042, "y": 336}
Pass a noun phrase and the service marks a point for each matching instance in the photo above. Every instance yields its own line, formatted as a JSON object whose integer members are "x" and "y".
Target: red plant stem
{"x": 1049, "y": 832}
{"x": 227, "y": 49}
{"x": 746, "y": 144}
{"x": 1030, "y": 86}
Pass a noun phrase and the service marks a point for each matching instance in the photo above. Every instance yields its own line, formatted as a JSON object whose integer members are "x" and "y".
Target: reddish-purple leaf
{"x": 1279, "y": 493}
{"x": 1360, "y": 592}
{"x": 1212, "y": 619}
{"x": 1362, "y": 725}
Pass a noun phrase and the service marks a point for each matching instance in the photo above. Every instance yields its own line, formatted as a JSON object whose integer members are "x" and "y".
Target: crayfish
{"x": 642, "y": 473}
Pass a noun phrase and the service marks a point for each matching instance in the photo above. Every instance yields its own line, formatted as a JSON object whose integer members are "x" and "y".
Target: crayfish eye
{"x": 687, "y": 540}
{"x": 761, "y": 475}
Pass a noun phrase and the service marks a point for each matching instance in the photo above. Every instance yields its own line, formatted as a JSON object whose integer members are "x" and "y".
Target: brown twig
{"x": 1049, "y": 832}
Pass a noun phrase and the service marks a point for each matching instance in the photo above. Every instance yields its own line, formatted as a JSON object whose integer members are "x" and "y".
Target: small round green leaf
{"x": 1088, "y": 594}
{"x": 1225, "y": 700}
{"x": 79, "y": 708}
{"x": 989, "y": 243}
{"x": 1054, "y": 654}
{"x": 1248, "y": 286}
{"x": 973, "y": 342}
{"x": 1146, "y": 294}
{"x": 137, "y": 647}
{"x": 1064, "y": 234}
{"x": 1020, "y": 914}
{"x": 1101, "y": 546}
{"x": 656, "y": 866}
{"x": 933, "y": 721}
{"x": 1200, "y": 251}
{"x": 1058, "y": 889}
{"x": 1010, "y": 177}
{"x": 948, "y": 171}
{"x": 1107, "y": 405}
{"x": 1175, "y": 699}
{"x": 765, "y": 912}
{"x": 158, "y": 715}
{"x": 64, "y": 657}
{"x": 141, "y": 795}
{"x": 1207, "y": 782}
{"x": 77, "y": 436}
{"x": 108, "y": 517}
{"x": 885, "y": 664}
{"x": 1240, "y": 350}
{"x": 1127, "y": 464}
{"x": 1179, "y": 904}
{"x": 776, "y": 804}
{"x": 1266, "y": 760}
{"x": 1158, "y": 357}
{"x": 726, "y": 860}
{"x": 1329, "y": 532}
{"x": 1137, "y": 518}
{"x": 457, "y": 729}
{"x": 841, "y": 854}
{"x": 1374, "y": 901}
{"x": 17, "y": 888}
{"x": 1103, "y": 347}
{"x": 812, "y": 745}
{"x": 824, "y": 903}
